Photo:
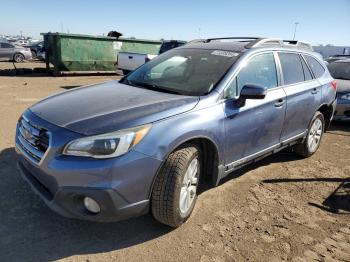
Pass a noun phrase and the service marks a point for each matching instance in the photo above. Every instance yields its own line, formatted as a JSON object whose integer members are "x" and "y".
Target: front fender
{"x": 166, "y": 135}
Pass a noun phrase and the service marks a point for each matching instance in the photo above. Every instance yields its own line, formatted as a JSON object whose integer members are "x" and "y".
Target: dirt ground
{"x": 282, "y": 208}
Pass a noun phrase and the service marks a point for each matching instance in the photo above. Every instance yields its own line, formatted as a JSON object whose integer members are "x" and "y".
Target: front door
{"x": 257, "y": 126}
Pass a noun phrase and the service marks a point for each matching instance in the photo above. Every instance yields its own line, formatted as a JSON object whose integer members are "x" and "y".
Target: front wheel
{"x": 175, "y": 190}
{"x": 314, "y": 135}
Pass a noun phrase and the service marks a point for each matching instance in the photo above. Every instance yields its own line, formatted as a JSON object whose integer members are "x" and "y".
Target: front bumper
{"x": 121, "y": 186}
{"x": 68, "y": 201}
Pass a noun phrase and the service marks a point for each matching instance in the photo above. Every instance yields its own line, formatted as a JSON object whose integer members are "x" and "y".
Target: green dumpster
{"x": 78, "y": 53}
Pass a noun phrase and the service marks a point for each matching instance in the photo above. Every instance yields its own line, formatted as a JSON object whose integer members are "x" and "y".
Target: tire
{"x": 314, "y": 136}
{"x": 18, "y": 58}
{"x": 125, "y": 72}
{"x": 173, "y": 184}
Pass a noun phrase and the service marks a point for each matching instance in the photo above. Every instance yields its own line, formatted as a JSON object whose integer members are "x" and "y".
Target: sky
{"x": 320, "y": 21}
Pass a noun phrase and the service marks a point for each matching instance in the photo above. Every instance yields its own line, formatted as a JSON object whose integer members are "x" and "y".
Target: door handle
{"x": 279, "y": 103}
{"x": 314, "y": 91}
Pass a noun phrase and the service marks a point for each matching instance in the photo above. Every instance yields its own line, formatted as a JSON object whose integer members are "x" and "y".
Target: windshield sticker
{"x": 224, "y": 53}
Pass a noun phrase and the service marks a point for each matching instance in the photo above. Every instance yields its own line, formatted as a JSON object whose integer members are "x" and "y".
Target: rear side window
{"x": 315, "y": 66}
{"x": 6, "y": 45}
{"x": 307, "y": 73}
{"x": 292, "y": 68}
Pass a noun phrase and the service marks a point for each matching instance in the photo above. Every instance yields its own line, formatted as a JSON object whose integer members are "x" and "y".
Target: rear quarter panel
{"x": 328, "y": 92}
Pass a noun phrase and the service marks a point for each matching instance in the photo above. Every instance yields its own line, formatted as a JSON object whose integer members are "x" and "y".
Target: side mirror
{"x": 251, "y": 91}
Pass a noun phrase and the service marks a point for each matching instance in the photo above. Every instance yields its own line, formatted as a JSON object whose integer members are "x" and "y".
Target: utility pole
{"x": 199, "y": 32}
{"x": 295, "y": 29}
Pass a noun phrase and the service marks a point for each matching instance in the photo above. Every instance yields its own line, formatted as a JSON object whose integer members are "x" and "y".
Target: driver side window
{"x": 260, "y": 70}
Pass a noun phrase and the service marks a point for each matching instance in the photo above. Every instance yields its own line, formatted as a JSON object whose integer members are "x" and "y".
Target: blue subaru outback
{"x": 143, "y": 144}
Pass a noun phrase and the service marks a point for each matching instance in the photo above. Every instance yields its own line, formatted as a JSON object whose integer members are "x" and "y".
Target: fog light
{"x": 91, "y": 205}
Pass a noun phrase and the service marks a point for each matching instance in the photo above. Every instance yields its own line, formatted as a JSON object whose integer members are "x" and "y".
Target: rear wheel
{"x": 313, "y": 139}
{"x": 175, "y": 190}
{"x": 18, "y": 58}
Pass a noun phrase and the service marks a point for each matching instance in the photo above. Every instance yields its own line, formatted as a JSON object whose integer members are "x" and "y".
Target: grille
{"x": 33, "y": 140}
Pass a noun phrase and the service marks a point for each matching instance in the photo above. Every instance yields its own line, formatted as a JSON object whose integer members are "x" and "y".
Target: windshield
{"x": 340, "y": 70}
{"x": 192, "y": 72}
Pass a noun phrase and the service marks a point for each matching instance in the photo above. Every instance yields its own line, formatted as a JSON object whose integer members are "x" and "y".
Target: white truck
{"x": 128, "y": 61}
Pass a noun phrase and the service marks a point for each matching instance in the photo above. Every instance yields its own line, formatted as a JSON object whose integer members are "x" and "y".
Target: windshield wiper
{"x": 152, "y": 87}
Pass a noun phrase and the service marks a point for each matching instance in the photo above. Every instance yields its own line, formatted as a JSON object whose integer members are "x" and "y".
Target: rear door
{"x": 257, "y": 126}
{"x": 303, "y": 94}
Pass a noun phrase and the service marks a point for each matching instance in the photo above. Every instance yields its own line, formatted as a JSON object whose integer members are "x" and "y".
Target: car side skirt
{"x": 263, "y": 153}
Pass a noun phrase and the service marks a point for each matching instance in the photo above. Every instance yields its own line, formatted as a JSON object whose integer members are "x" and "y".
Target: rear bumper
{"x": 27, "y": 54}
{"x": 342, "y": 112}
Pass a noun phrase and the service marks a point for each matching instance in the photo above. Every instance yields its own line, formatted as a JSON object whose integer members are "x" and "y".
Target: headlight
{"x": 107, "y": 145}
{"x": 346, "y": 96}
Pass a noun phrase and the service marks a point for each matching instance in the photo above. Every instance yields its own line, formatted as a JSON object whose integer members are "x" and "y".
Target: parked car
{"x": 334, "y": 58}
{"x": 41, "y": 54}
{"x": 13, "y": 52}
{"x": 120, "y": 149}
{"x": 128, "y": 61}
{"x": 340, "y": 70}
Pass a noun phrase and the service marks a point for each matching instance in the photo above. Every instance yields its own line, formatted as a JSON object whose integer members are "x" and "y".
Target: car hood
{"x": 109, "y": 107}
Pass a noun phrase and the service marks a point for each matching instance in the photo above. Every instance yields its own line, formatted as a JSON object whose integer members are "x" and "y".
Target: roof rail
{"x": 265, "y": 42}
{"x": 260, "y": 42}
{"x": 243, "y": 38}
{"x": 298, "y": 44}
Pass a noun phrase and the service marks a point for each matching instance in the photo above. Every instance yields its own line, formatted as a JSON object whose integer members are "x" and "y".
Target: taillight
{"x": 334, "y": 85}
{"x": 147, "y": 59}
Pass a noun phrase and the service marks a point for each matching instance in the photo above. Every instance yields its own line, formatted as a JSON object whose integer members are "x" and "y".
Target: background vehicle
{"x": 198, "y": 112}
{"x": 337, "y": 57}
{"x": 128, "y": 61}
{"x": 340, "y": 70}
{"x": 35, "y": 48}
{"x": 41, "y": 54}
{"x": 22, "y": 42}
{"x": 12, "y": 52}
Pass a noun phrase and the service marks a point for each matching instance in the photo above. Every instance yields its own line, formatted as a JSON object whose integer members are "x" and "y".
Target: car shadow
{"x": 338, "y": 202}
{"x": 281, "y": 157}
{"x": 70, "y": 87}
{"x": 29, "y": 231}
{"x": 337, "y": 126}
